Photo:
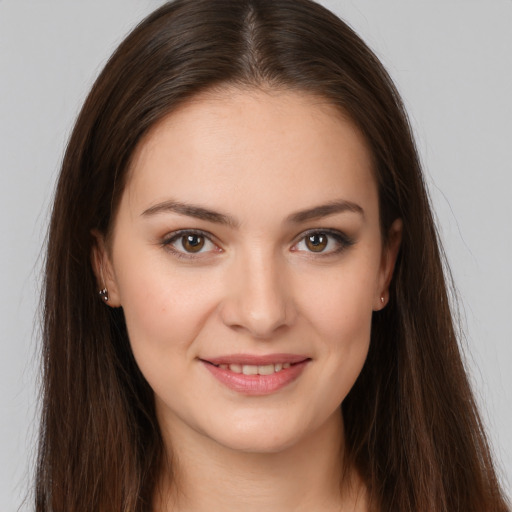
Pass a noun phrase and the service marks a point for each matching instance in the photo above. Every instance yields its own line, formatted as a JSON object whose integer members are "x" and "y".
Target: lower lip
{"x": 257, "y": 384}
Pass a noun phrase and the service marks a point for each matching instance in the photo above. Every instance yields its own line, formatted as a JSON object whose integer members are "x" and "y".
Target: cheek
{"x": 339, "y": 302}
{"x": 164, "y": 308}
{"x": 343, "y": 325}
{"x": 339, "y": 308}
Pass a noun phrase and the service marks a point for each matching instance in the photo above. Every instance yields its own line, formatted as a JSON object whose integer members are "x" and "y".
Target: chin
{"x": 258, "y": 443}
{"x": 273, "y": 435}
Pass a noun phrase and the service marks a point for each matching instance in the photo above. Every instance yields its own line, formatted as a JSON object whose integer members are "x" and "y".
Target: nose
{"x": 258, "y": 297}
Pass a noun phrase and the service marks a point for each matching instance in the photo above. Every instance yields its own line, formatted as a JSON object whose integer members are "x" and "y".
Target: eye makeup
{"x": 195, "y": 243}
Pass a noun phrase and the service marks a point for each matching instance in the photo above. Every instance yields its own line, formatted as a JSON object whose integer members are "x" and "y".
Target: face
{"x": 248, "y": 259}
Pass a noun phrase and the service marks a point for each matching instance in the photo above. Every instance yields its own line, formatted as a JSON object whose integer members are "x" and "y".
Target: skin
{"x": 255, "y": 287}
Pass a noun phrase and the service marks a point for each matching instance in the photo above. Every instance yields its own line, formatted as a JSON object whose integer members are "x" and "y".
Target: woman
{"x": 242, "y": 188}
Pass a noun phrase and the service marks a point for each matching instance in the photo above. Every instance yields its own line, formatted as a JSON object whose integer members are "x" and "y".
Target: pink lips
{"x": 256, "y": 384}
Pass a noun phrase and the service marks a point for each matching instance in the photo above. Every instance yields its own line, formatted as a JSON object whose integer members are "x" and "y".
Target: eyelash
{"x": 176, "y": 236}
{"x": 341, "y": 239}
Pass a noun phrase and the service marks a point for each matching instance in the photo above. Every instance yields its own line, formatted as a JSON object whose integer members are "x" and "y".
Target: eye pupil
{"x": 193, "y": 243}
{"x": 316, "y": 242}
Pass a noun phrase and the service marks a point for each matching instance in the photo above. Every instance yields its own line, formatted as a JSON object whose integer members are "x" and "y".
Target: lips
{"x": 256, "y": 375}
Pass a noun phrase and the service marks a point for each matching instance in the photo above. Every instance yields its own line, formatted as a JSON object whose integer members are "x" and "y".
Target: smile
{"x": 249, "y": 369}
{"x": 243, "y": 375}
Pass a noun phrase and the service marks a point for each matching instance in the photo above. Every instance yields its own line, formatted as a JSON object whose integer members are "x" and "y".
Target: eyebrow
{"x": 198, "y": 212}
{"x": 191, "y": 210}
{"x": 331, "y": 208}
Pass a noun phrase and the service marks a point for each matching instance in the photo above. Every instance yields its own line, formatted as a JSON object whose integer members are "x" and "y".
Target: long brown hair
{"x": 412, "y": 428}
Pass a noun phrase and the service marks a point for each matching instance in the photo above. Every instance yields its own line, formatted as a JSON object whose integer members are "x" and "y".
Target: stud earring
{"x": 382, "y": 299}
{"x": 103, "y": 294}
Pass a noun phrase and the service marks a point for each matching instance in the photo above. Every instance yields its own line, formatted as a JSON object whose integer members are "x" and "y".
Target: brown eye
{"x": 316, "y": 242}
{"x": 192, "y": 242}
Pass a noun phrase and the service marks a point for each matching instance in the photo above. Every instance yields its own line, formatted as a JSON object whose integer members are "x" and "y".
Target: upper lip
{"x": 256, "y": 360}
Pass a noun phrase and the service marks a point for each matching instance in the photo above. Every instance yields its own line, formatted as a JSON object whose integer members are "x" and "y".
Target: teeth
{"x": 267, "y": 369}
{"x": 250, "y": 369}
{"x": 236, "y": 368}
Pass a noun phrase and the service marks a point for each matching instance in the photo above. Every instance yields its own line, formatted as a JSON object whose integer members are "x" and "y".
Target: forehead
{"x": 233, "y": 148}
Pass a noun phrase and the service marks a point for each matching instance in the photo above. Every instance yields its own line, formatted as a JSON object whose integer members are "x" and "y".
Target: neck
{"x": 307, "y": 476}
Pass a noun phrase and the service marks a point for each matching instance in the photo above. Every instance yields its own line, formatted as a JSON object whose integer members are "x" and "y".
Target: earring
{"x": 382, "y": 299}
{"x": 103, "y": 294}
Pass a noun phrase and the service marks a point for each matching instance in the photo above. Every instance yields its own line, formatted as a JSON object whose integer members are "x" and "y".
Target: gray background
{"x": 451, "y": 61}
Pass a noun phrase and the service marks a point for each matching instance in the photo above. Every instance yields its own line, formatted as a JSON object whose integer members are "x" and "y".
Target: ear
{"x": 103, "y": 269}
{"x": 389, "y": 256}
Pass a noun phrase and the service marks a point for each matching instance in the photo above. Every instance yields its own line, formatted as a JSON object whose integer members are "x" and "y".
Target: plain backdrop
{"x": 452, "y": 62}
